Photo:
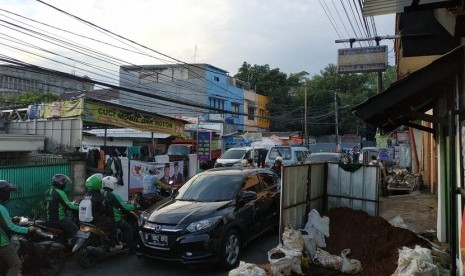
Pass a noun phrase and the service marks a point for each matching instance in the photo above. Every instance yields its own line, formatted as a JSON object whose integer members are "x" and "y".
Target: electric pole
{"x": 336, "y": 121}
{"x": 305, "y": 117}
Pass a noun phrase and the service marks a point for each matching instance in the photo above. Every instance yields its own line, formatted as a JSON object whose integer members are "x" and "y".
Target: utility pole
{"x": 305, "y": 118}
{"x": 336, "y": 120}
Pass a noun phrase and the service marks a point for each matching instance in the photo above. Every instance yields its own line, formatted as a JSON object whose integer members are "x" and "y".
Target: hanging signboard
{"x": 124, "y": 117}
{"x": 362, "y": 59}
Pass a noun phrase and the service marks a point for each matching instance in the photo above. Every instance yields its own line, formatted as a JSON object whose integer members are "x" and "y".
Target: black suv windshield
{"x": 233, "y": 154}
{"x": 210, "y": 187}
{"x": 178, "y": 150}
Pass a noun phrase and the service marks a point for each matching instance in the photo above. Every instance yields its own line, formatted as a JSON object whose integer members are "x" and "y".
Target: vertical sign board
{"x": 203, "y": 142}
{"x": 362, "y": 59}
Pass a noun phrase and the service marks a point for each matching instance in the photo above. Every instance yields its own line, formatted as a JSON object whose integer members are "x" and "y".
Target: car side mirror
{"x": 247, "y": 196}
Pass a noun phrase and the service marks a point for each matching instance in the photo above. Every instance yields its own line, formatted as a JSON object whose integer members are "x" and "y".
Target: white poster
{"x": 169, "y": 173}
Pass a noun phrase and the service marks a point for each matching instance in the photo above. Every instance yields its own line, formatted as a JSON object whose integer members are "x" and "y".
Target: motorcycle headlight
{"x": 202, "y": 224}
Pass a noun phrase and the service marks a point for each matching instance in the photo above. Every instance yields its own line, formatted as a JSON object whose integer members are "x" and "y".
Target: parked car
{"x": 318, "y": 157}
{"x": 290, "y": 155}
{"x": 233, "y": 156}
{"x": 211, "y": 217}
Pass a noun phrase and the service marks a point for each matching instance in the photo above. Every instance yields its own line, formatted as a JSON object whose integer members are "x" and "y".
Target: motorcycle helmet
{"x": 5, "y": 189}
{"x": 110, "y": 182}
{"x": 60, "y": 181}
{"x": 94, "y": 182}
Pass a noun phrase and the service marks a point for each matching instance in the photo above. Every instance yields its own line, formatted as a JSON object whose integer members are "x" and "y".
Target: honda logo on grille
{"x": 157, "y": 228}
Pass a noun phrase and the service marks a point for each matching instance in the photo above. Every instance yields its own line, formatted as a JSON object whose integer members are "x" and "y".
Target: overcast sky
{"x": 292, "y": 35}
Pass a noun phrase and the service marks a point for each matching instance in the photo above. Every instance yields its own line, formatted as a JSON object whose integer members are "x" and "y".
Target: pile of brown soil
{"x": 372, "y": 240}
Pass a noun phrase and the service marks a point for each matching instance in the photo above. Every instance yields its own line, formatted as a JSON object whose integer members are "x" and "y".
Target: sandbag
{"x": 321, "y": 224}
{"x": 309, "y": 245}
{"x": 317, "y": 236}
{"x": 246, "y": 269}
{"x": 324, "y": 259}
{"x": 280, "y": 262}
{"x": 292, "y": 239}
{"x": 296, "y": 259}
{"x": 350, "y": 266}
{"x": 417, "y": 261}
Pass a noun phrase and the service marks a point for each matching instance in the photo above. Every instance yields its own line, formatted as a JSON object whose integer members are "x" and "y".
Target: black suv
{"x": 211, "y": 217}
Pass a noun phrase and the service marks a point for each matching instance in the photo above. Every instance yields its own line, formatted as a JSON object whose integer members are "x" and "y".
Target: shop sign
{"x": 122, "y": 117}
{"x": 362, "y": 59}
{"x": 203, "y": 145}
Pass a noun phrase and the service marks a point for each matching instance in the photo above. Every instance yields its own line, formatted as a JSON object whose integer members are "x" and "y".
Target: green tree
{"x": 26, "y": 98}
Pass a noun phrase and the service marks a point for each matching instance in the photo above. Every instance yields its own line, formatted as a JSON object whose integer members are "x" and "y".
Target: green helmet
{"x": 94, "y": 182}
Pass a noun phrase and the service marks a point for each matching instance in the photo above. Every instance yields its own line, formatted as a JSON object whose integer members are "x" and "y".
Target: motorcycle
{"x": 40, "y": 252}
{"x": 93, "y": 244}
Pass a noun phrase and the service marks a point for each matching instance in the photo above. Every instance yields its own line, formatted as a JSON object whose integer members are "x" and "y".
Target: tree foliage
{"x": 27, "y": 98}
{"x": 326, "y": 92}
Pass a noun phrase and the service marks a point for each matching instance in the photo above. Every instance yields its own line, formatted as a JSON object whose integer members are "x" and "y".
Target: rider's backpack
{"x": 85, "y": 210}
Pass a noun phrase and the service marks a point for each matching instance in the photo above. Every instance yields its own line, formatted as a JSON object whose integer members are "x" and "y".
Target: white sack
{"x": 292, "y": 239}
{"x": 321, "y": 224}
{"x": 416, "y": 261}
{"x": 280, "y": 263}
{"x": 246, "y": 269}
{"x": 350, "y": 266}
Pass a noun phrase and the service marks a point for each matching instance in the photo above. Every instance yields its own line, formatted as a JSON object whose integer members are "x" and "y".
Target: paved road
{"x": 256, "y": 252}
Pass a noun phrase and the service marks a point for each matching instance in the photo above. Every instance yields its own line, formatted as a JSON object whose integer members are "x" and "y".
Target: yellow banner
{"x": 117, "y": 116}
{"x": 63, "y": 109}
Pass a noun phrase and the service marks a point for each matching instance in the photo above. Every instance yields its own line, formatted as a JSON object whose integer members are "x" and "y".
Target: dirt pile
{"x": 372, "y": 240}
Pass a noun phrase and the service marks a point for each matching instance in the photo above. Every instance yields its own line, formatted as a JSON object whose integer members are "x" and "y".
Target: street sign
{"x": 362, "y": 59}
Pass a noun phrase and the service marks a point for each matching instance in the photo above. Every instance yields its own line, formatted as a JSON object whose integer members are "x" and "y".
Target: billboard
{"x": 362, "y": 59}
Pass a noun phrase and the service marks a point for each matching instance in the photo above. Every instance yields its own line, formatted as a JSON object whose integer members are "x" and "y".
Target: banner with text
{"x": 122, "y": 117}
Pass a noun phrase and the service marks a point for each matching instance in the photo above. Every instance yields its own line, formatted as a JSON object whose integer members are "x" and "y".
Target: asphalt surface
{"x": 124, "y": 264}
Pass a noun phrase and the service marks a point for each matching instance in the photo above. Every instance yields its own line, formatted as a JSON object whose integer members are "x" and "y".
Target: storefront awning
{"x": 407, "y": 100}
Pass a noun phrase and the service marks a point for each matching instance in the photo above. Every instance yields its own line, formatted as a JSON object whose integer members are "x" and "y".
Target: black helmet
{"x": 203, "y": 165}
{"x": 5, "y": 189}
{"x": 60, "y": 181}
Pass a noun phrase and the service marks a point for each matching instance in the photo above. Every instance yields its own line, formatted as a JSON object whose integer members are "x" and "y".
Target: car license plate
{"x": 155, "y": 239}
{"x": 83, "y": 235}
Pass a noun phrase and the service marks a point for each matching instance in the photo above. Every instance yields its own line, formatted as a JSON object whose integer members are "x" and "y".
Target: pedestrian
{"x": 356, "y": 154}
{"x": 375, "y": 162}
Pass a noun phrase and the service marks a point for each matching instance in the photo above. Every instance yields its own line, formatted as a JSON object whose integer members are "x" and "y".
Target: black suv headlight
{"x": 203, "y": 224}
{"x": 142, "y": 217}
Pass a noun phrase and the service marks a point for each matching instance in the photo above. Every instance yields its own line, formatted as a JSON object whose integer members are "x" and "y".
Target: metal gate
{"x": 33, "y": 177}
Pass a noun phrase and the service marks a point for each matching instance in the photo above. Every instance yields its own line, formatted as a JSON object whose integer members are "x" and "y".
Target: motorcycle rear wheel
{"x": 54, "y": 262}
{"x": 85, "y": 258}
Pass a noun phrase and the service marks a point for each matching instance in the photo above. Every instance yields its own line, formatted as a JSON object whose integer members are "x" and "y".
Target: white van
{"x": 233, "y": 156}
{"x": 290, "y": 155}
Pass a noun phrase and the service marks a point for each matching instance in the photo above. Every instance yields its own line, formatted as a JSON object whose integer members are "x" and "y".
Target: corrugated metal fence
{"x": 323, "y": 186}
{"x": 33, "y": 177}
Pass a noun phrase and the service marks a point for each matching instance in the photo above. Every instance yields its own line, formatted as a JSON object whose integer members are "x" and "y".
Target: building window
{"x": 217, "y": 103}
{"x": 235, "y": 109}
{"x": 215, "y": 78}
{"x": 251, "y": 113}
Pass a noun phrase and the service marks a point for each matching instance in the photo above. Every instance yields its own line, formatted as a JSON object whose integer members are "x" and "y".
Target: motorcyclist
{"x": 152, "y": 185}
{"x": 99, "y": 214}
{"x": 115, "y": 204}
{"x": 58, "y": 204}
{"x": 7, "y": 252}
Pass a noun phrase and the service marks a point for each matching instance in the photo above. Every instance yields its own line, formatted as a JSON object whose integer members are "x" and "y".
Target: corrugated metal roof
{"x": 126, "y": 133}
{"x": 380, "y": 7}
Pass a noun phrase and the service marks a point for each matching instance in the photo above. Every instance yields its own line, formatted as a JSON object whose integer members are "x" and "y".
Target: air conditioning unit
{"x": 216, "y": 117}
